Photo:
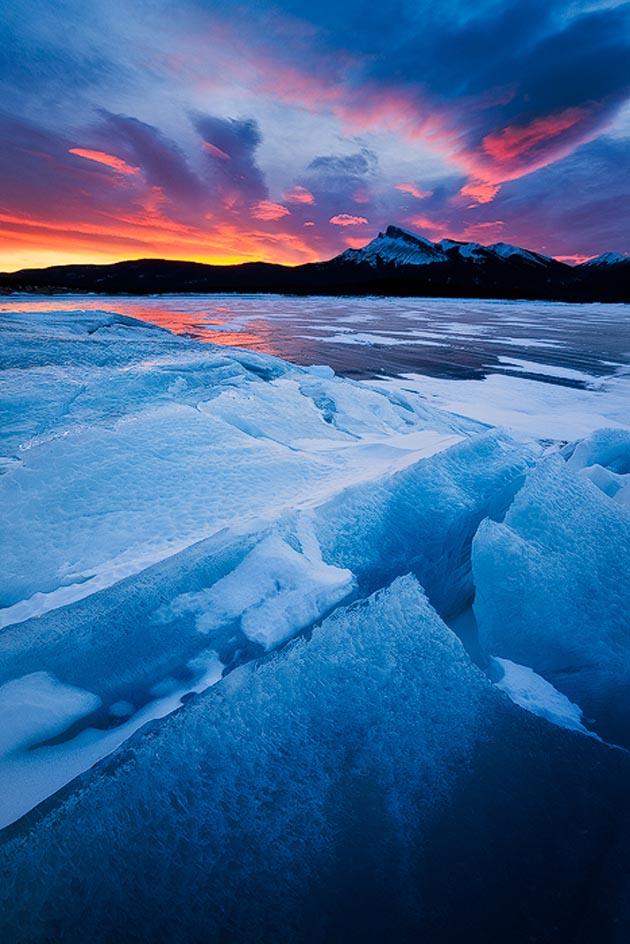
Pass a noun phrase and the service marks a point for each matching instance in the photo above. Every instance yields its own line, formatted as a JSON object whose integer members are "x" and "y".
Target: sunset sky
{"x": 226, "y": 132}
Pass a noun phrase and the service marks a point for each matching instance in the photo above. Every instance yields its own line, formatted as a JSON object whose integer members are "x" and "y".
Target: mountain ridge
{"x": 396, "y": 262}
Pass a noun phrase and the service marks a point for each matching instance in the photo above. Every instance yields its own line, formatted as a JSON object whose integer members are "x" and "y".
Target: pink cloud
{"x": 480, "y": 191}
{"x": 355, "y": 242}
{"x": 109, "y": 160}
{"x": 414, "y": 191}
{"x": 573, "y": 260}
{"x": 515, "y": 143}
{"x": 346, "y": 219}
{"x": 267, "y": 210}
{"x": 299, "y": 195}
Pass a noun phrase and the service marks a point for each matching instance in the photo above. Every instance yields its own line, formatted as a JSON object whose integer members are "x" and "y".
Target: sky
{"x": 227, "y": 132}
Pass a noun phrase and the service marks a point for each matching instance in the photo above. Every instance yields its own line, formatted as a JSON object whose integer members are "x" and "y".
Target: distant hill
{"x": 396, "y": 262}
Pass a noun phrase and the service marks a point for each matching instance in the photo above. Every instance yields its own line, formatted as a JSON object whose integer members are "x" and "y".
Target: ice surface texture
{"x": 196, "y": 509}
{"x": 233, "y": 596}
{"x": 123, "y": 444}
{"x": 553, "y": 589}
{"x": 362, "y": 784}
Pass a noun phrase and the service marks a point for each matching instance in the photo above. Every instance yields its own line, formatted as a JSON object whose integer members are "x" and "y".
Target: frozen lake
{"x": 372, "y": 337}
{"x": 280, "y": 605}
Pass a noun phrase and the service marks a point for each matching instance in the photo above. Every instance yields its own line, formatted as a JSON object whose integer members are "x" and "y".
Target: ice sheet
{"x": 123, "y": 444}
{"x": 527, "y": 407}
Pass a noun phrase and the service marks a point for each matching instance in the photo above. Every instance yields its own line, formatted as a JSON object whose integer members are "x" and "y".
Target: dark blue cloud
{"x": 341, "y": 175}
{"x": 231, "y": 156}
{"x": 162, "y": 161}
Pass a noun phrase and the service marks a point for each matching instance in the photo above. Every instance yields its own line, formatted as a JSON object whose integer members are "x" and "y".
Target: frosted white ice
{"x": 534, "y": 693}
{"x": 273, "y": 593}
{"x": 527, "y": 407}
{"x": 36, "y": 707}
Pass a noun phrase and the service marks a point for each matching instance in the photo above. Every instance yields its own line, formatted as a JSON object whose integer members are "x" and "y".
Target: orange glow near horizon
{"x": 28, "y": 243}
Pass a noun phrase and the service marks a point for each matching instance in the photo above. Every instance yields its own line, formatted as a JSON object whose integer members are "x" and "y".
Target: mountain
{"x": 607, "y": 259}
{"x": 397, "y": 247}
{"x": 396, "y": 262}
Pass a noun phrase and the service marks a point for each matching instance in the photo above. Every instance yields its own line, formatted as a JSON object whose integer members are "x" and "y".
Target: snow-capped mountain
{"x": 399, "y": 247}
{"x": 505, "y": 251}
{"x": 606, "y": 259}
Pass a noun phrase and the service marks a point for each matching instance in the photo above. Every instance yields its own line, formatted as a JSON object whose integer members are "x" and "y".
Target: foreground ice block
{"x": 366, "y": 783}
{"x": 553, "y": 591}
{"x": 140, "y": 646}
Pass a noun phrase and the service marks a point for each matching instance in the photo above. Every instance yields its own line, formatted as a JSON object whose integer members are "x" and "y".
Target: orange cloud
{"x": 573, "y": 260}
{"x": 299, "y": 195}
{"x": 109, "y": 160}
{"x": 267, "y": 210}
{"x": 470, "y": 232}
{"x": 346, "y": 219}
{"x": 414, "y": 191}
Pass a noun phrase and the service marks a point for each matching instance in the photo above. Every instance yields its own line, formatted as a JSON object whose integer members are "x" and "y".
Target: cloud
{"x": 346, "y": 219}
{"x": 215, "y": 151}
{"x": 479, "y": 191}
{"x": 299, "y": 194}
{"x": 109, "y": 160}
{"x": 163, "y": 162}
{"x": 516, "y": 143}
{"x": 414, "y": 191}
{"x": 333, "y": 172}
{"x": 266, "y": 210}
{"x": 230, "y": 146}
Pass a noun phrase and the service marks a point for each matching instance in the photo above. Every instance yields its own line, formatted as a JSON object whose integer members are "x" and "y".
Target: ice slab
{"x": 553, "y": 591}
{"x": 605, "y": 447}
{"x": 604, "y": 458}
{"x": 123, "y": 444}
{"x": 364, "y": 782}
